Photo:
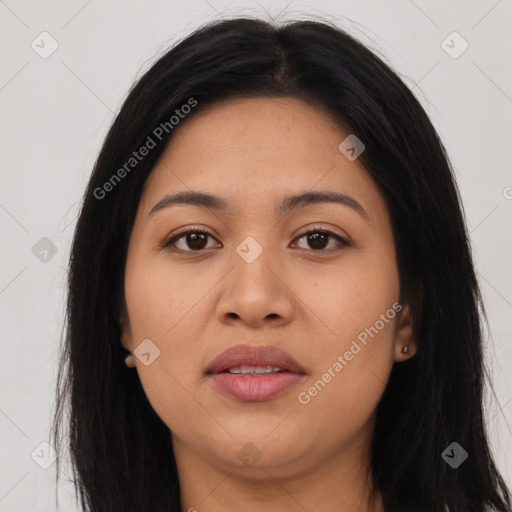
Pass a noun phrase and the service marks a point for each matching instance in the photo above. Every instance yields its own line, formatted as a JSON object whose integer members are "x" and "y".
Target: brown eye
{"x": 193, "y": 240}
{"x": 318, "y": 240}
{"x": 196, "y": 240}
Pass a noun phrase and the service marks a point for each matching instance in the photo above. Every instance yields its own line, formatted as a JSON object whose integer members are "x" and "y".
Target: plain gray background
{"x": 55, "y": 112}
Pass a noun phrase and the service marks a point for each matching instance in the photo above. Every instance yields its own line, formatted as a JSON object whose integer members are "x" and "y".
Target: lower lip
{"x": 257, "y": 388}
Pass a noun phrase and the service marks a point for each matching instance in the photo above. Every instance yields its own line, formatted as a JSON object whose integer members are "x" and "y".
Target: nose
{"x": 256, "y": 293}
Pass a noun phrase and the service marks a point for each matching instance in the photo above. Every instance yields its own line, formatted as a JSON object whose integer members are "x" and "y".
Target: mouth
{"x": 247, "y": 371}
{"x": 254, "y": 374}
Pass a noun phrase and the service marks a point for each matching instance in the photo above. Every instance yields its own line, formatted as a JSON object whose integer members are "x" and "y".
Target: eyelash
{"x": 175, "y": 237}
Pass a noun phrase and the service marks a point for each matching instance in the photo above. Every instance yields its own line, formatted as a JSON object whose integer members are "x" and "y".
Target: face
{"x": 329, "y": 299}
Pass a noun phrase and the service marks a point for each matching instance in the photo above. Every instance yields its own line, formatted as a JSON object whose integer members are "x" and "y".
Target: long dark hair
{"x": 121, "y": 452}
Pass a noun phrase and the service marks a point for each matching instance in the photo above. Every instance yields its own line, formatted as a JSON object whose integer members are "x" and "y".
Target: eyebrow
{"x": 289, "y": 203}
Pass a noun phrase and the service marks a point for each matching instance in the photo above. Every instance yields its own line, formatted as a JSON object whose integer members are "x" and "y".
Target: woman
{"x": 273, "y": 236}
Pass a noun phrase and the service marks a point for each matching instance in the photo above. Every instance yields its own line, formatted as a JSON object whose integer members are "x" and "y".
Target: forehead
{"x": 259, "y": 122}
{"x": 253, "y": 151}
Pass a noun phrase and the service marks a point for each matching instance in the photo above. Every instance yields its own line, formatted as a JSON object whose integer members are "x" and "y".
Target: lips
{"x": 239, "y": 373}
{"x": 254, "y": 356}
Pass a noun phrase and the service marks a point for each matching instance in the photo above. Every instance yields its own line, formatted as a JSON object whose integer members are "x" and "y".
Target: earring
{"x": 129, "y": 360}
{"x": 405, "y": 349}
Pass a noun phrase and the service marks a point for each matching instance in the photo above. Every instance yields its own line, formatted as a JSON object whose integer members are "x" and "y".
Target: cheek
{"x": 357, "y": 305}
{"x": 348, "y": 381}
{"x": 160, "y": 296}
{"x": 342, "y": 300}
{"x": 166, "y": 306}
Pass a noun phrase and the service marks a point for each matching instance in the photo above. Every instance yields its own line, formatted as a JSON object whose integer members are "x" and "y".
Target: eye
{"x": 318, "y": 239}
{"x": 196, "y": 239}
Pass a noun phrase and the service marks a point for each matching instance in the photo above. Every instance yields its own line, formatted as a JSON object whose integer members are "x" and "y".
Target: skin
{"x": 311, "y": 303}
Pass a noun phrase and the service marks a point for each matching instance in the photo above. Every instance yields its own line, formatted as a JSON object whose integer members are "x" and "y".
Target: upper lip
{"x": 249, "y": 355}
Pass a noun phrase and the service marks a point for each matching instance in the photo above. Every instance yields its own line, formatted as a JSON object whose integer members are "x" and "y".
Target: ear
{"x": 408, "y": 325}
{"x": 127, "y": 341}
